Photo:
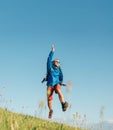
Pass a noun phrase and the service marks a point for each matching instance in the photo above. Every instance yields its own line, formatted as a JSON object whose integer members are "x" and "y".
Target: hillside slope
{"x": 14, "y": 121}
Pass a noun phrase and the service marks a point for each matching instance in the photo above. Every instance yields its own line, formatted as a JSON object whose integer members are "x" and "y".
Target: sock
{"x": 51, "y": 110}
{"x": 62, "y": 104}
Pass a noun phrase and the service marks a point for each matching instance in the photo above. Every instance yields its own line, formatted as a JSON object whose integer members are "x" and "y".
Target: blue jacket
{"x": 55, "y": 74}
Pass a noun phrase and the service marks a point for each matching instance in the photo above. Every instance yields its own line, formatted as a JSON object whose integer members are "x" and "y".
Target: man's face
{"x": 56, "y": 63}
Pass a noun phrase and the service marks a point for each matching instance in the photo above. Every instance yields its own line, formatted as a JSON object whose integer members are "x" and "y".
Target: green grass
{"x": 14, "y": 121}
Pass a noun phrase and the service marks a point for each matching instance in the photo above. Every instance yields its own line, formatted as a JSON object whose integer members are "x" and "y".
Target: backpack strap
{"x": 46, "y": 77}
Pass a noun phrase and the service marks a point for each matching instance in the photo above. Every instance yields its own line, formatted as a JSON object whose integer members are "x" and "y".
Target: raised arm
{"x": 49, "y": 59}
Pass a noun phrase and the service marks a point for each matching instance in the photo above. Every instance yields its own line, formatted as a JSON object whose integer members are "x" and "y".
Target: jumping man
{"x": 54, "y": 81}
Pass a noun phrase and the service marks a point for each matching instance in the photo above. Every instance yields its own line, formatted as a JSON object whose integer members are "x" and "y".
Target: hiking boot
{"x": 64, "y": 106}
{"x": 50, "y": 114}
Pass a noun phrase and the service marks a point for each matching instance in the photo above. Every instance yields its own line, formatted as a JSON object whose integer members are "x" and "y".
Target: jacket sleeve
{"x": 49, "y": 61}
{"x": 61, "y": 76}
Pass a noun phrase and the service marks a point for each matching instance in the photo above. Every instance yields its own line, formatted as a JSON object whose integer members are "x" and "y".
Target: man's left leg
{"x": 61, "y": 97}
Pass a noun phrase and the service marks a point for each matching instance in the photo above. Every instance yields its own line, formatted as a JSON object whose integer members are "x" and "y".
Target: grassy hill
{"x": 14, "y": 121}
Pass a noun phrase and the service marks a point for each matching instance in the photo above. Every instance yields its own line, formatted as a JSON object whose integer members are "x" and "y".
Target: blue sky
{"x": 82, "y": 32}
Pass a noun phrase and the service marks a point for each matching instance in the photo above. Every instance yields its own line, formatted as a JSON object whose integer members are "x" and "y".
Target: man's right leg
{"x": 49, "y": 100}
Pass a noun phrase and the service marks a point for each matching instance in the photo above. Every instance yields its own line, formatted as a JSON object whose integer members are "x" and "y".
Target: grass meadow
{"x": 14, "y": 121}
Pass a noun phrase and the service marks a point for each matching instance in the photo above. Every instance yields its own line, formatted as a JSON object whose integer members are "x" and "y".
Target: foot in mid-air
{"x": 64, "y": 106}
{"x": 50, "y": 114}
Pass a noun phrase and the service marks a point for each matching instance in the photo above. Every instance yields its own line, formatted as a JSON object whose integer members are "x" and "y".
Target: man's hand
{"x": 53, "y": 48}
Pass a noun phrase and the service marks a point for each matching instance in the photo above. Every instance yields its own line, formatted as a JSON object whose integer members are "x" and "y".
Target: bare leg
{"x": 61, "y": 97}
{"x": 49, "y": 97}
{"x": 50, "y": 105}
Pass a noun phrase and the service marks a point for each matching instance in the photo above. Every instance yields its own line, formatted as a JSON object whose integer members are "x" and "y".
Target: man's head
{"x": 56, "y": 62}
